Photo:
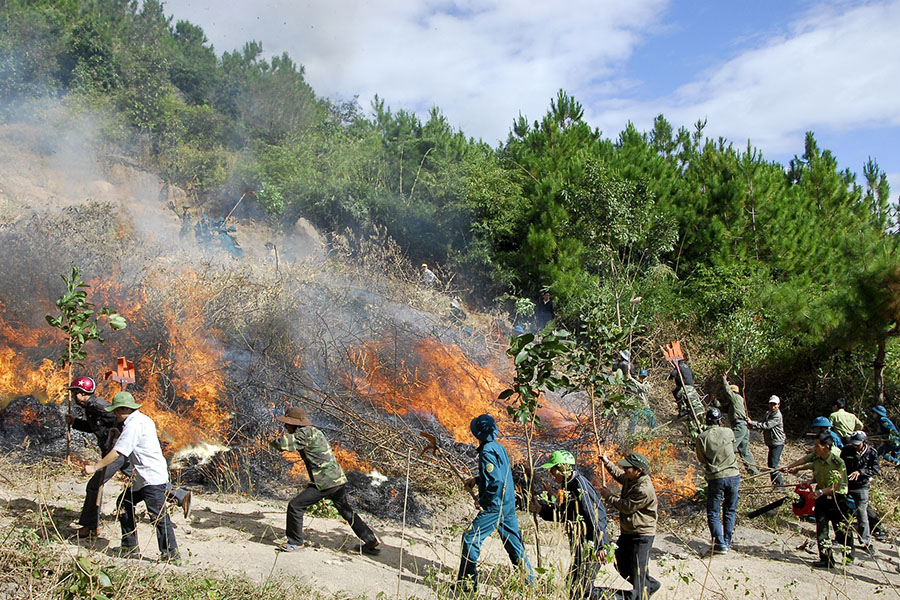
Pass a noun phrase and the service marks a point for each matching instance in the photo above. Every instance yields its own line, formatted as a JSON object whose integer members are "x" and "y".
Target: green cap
{"x": 638, "y": 461}
{"x": 560, "y": 457}
{"x": 123, "y": 400}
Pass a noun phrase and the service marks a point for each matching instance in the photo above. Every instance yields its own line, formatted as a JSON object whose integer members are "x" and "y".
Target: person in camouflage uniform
{"x": 689, "y": 403}
{"x": 327, "y": 480}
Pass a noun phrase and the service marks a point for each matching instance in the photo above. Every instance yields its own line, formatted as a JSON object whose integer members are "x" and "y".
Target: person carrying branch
{"x": 139, "y": 443}
{"x": 327, "y": 480}
{"x": 496, "y": 504}
{"x": 106, "y": 428}
{"x": 736, "y": 410}
{"x": 638, "y": 513}
{"x": 584, "y": 516}
{"x": 830, "y": 475}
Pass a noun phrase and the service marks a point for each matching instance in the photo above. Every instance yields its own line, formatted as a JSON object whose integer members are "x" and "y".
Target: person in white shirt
{"x": 140, "y": 444}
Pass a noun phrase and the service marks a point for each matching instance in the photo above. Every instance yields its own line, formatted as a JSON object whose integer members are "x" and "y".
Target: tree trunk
{"x": 879, "y": 369}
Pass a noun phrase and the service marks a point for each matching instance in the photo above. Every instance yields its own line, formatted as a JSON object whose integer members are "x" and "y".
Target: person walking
{"x": 327, "y": 480}
{"x": 139, "y": 443}
{"x": 715, "y": 451}
{"x": 584, "y": 516}
{"x": 772, "y": 427}
{"x": 106, "y": 428}
{"x": 844, "y": 422}
{"x": 890, "y": 449}
{"x": 638, "y": 514}
{"x": 831, "y": 506}
{"x": 861, "y": 461}
{"x": 736, "y": 410}
{"x": 496, "y": 504}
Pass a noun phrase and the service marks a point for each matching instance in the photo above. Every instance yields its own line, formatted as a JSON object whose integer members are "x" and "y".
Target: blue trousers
{"x": 722, "y": 495}
{"x": 485, "y": 522}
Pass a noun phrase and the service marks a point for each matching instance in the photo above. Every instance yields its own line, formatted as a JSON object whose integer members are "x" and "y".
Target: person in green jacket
{"x": 844, "y": 422}
{"x": 736, "y": 410}
{"x": 327, "y": 480}
{"x": 830, "y": 475}
{"x": 715, "y": 451}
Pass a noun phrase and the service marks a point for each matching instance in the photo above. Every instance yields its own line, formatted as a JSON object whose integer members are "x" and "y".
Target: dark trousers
{"x": 154, "y": 497}
{"x": 633, "y": 563}
{"x": 584, "y": 570}
{"x": 834, "y": 510}
{"x": 90, "y": 511}
{"x": 338, "y": 496}
{"x": 772, "y": 462}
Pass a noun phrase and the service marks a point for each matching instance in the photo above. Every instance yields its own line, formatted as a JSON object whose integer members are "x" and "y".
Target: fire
{"x": 45, "y": 382}
{"x": 662, "y": 457}
{"x": 193, "y": 364}
{"x": 30, "y": 416}
{"x": 437, "y": 380}
{"x": 349, "y": 460}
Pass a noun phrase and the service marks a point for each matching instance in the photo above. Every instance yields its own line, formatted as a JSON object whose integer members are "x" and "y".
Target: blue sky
{"x": 766, "y": 71}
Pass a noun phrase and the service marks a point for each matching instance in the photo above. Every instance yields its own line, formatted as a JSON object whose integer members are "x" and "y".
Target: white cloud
{"x": 481, "y": 62}
{"x": 835, "y": 70}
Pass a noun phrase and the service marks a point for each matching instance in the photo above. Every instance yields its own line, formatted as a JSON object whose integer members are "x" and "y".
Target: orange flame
{"x": 438, "y": 381}
{"x": 662, "y": 456}
{"x": 46, "y": 382}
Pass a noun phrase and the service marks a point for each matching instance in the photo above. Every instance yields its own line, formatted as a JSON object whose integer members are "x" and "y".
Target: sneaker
{"x": 715, "y": 551}
{"x": 870, "y": 548}
{"x": 186, "y": 505}
{"x": 880, "y": 535}
{"x": 370, "y": 548}
{"x": 823, "y": 563}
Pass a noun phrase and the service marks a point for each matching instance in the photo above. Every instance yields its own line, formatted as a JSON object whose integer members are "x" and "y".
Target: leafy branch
{"x": 80, "y": 323}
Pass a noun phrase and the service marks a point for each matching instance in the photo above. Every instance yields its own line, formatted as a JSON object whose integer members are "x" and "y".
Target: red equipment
{"x": 804, "y": 504}
{"x": 84, "y": 384}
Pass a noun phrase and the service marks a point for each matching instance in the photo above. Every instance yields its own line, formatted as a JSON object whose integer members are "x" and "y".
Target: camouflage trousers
{"x": 690, "y": 405}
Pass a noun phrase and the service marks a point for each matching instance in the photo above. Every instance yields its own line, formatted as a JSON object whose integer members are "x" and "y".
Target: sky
{"x": 765, "y": 71}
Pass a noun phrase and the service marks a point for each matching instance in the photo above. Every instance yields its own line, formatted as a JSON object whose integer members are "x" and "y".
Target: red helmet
{"x": 84, "y": 384}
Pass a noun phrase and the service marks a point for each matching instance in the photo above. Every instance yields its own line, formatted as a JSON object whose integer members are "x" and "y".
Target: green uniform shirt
{"x": 313, "y": 446}
{"x": 845, "y": 423}
{"x": 734, "y": 405}
{"x": 715, "y": 451}
{"x": 827, "y": 471}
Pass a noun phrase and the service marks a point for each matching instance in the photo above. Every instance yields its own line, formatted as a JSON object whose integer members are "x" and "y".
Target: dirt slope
{"x": 237, "y": 535}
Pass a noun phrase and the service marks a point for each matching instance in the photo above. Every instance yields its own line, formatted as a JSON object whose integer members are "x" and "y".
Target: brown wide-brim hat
{"x": 295, "y": 416}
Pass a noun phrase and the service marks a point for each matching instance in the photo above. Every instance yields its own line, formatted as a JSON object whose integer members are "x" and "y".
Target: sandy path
{"x": 237, "y": 535}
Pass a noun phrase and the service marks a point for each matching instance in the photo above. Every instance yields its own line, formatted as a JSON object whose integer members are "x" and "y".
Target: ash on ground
{"x": 383, "y": 497}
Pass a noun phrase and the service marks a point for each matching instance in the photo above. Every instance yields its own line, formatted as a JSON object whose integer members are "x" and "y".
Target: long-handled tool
{"x": 674, "y": 355}
{"x": 124, "y": 374}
